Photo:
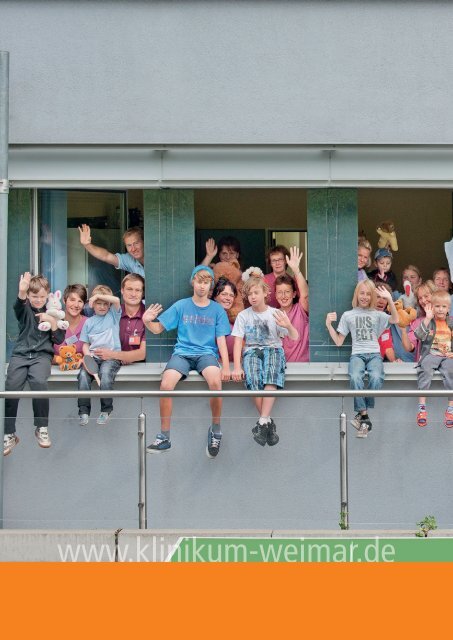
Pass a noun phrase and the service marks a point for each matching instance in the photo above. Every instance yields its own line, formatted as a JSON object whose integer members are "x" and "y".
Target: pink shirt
{"x": 271, "y": 299}
{"x": 412, "y": 337}
{"x": 72, "y": 337}
{"x": 297, "y": 350}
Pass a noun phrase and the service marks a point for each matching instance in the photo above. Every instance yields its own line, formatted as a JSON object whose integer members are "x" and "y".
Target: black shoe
{"x": 260, "y": 433}
{"x": 213, "y": 446}
{"x": 272, "y": 437}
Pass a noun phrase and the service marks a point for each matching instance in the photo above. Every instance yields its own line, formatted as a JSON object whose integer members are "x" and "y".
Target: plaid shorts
{"x": 264, "y": 366}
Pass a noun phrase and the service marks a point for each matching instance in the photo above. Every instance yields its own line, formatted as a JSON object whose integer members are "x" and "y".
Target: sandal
{"x": 448, "y": 419}
{"x": 422, "y": 419}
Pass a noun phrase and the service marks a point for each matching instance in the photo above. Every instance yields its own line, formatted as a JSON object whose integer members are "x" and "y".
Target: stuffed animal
{"x": 387, "y": 236}
{"x": 406, "y": 315}
{"x": 232, "y": 272}
{"x": 68, "y": 358}
{"x": 53, "y": 308}
{"x": 408, "y": 298}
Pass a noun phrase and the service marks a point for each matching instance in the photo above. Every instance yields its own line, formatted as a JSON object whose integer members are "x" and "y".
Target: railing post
{"x": 344, "y": 513}
{"x": 142, "y": 519}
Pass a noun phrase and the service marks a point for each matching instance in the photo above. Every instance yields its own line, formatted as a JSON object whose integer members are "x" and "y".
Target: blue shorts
{"x": 264, "y": 366}
{"x": 185, "y": 364}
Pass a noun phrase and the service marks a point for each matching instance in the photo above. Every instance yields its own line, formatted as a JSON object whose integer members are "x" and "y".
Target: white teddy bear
{"x": 53, "y": 308}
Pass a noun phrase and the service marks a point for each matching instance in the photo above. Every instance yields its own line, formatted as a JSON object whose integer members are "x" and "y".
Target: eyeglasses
{"x": 277, "y": 260}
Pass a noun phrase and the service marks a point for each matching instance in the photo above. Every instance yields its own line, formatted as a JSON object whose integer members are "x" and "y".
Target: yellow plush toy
{"x": 387, "y": 236}
{"x": 68, "y": 358}
{"x": 406, "y": 315}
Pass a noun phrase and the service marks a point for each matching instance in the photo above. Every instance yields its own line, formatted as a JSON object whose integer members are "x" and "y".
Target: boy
{"x": 383, "y": 273}
{"x": 101, "y": 331}
{"x": 31, "y": 358}
{"x": 264, "y": 362}
{"x": 435, "y": 335}
{"x": 202, "y": 326}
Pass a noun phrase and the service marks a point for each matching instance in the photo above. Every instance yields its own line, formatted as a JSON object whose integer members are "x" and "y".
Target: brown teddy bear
{"x": 233, "y": 273}
{"x": 68, "y": 358}
{"x": 406, "y": 315}
{"x": 387, "y": 236}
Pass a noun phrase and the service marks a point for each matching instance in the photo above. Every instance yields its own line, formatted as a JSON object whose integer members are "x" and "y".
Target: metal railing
{"x": 284, "y": 393}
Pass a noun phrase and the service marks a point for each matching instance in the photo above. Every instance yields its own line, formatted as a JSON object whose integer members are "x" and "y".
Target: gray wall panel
{"x": 228, "y": 71}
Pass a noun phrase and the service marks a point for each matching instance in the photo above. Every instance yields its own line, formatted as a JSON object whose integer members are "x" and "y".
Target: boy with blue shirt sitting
{"x": 101, "y": 331}
{"x": 202, "y": 326}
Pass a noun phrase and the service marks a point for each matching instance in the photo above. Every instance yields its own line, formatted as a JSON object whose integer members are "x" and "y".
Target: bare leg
{"x": 212, "y": 377}
{"x": 170, "y": 379}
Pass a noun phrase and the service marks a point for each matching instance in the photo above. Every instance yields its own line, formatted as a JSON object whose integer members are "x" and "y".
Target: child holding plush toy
{"x": 31, "y": 358}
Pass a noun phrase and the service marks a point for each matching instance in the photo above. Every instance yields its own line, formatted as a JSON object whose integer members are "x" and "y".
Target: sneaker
{"x": 272, "y": 437}
{"x": 422, "y": 418}
{"x": 102, "y": 419}
{"x": 160, "y": 445}
{"x": 356, "y": 420}
{"x": 448, "y": 419}
{"x": 9, "y": 442}
{"x": 259, "y": 432}
{"x": 42, "y": 436}
{"x": 213, "y": 446}
{"x": 365, "y": 427}
{"x": 83, "y": 419}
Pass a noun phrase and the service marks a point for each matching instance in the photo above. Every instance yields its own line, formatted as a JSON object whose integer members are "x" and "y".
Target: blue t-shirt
{"x": 127, "y": 263}
{"x": 103, "y": 331}
{"x": 198, "y": 327}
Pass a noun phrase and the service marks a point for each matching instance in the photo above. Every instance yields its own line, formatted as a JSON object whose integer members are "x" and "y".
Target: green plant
{"x": 343, "y": 520}
{"x": 425, "y": 526}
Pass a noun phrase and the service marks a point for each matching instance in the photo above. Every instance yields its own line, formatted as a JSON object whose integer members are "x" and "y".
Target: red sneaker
{"x": 422, "y": 418}
{"x": 448, "y": 420}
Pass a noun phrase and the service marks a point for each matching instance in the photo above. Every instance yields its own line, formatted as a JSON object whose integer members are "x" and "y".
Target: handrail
{"x": 243, "y": 393}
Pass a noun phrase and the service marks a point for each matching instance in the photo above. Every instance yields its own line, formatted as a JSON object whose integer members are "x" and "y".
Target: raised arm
{"x": 293, "y": 262}
{"x": 24, "y": 284}
{"x": 97, "y": 252}
{"x": 338, "y": 338}
{"x": 149, "y": 319}
{"x": 394, "y": 318}
{"x": 211, "y": 252}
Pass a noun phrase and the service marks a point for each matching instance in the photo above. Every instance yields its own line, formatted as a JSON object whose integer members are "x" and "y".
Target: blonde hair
{"x": 428, "y": 284}
{"x": 441, "y": 295}
{"x": 102, "y": 290}
{"x": 203, "y": 276}
{"x": 372, "y": 289}
{"x": 254, "y": 281}
{"x": 365, "y": 244}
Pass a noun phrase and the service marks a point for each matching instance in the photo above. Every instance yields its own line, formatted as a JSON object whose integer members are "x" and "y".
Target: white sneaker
{"x": 42, "y": 436}
{"x": 9, "y": 442}
{"x": 363, "y": 431}
{"x": 83, "y": 419}
{"x": 103, "y": 418}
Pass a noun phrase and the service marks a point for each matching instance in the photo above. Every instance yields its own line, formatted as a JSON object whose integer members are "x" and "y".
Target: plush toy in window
{"x": 68, "y": 358}
{"x": 387, "y": 236}
{"x": 53, "y": 308}
{"x": 406, "y": 315}
{"x": 232, "y": 272}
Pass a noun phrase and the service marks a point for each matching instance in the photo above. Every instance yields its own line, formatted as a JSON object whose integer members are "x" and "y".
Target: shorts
{"x": 264, "y": 366}
{"x": 185, "y": 364}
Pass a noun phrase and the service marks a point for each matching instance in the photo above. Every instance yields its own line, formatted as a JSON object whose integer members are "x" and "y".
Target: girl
{"x": 365, "y": 325}
{"x": 423, "y": 295}
{"x": 363, "y": 259}
{"x": 296, "y": 308}
{"x": 225, "y": 293}
{"x": 74, "y": 298}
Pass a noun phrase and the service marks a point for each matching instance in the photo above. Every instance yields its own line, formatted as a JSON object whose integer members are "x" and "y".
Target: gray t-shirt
{"x": 365, "y": 327}
{"x": 259, "y": 329}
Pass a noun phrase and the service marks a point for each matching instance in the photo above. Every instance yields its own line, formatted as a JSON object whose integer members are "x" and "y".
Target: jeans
{"x": 359, "y": 364}
{"x": 107, "y": 373}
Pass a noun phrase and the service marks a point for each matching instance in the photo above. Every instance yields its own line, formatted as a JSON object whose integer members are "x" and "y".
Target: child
{"x": 31, "y": 358}
{"x": 365, "y": 325}
{"x": 383, "y": 273}
{"x": 363, "y": 258}
{"x": 435, "y": 335}
{"x": 101, "y": 331}
{"x": 264, "y": 362}
{"x": 287, "y": 292}
{"x": 202, "y": 325}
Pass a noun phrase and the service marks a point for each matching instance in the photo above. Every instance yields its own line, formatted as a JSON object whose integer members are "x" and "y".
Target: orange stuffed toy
{"x": 68, "y": 358}
{"x": 406, "y": 315}
{"x": 232, "y": 272}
